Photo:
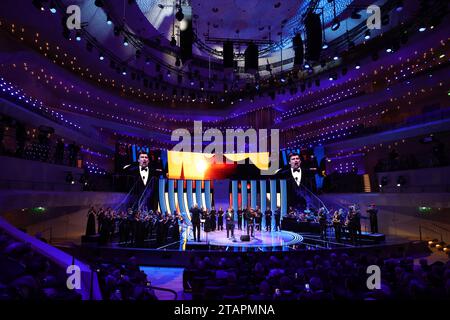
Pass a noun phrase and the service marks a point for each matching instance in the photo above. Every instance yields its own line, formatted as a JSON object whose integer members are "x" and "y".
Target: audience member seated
{"x": 27, "y": 275}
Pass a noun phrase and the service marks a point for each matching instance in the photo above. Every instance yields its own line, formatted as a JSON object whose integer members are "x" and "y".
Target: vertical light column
{"x": 273, "y": 200}
{"x": 283, "y": 195}
{"x": 180, "y": 191}
{"x": 253, "y": 193}
{"x": 189, "y": 195}
{"x": 234, "y": 192}
{"x": 244, "y": 194}
{"x": 208, "y": 194}
{"x": 263, "y": 192}
{"x": 198, "y": 193}
{"x": 162, "y": 198}
{"x": 171, "y": 192}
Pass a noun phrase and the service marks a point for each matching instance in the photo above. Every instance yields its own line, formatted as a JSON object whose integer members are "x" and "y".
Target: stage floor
{"x": 261, "y": 239}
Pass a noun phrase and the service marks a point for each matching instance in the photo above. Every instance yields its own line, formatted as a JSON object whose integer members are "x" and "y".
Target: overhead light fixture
{"x": 367, "y": 35}
{"x": 108, "y": 20}
{"x": 101, "y": 57}
{"x": 325, "y": 46}
{"x": 357, "y": 66}
{"x": 422, "y": 28}
{"x": 125, "y": 42}
{"x": 335, "y": 57}
{"x": 124, "y": 71}
{"x": 399, "y": 6}
{"x": 78, "y": 36}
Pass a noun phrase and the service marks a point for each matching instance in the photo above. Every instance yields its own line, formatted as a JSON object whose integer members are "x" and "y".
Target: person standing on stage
{"x": 220, "y": 219}
{"x": 278, "y": 219}
{"x": 323, "y": 223}
{"x": 337, "y": 224}
{"x": 258, "y": 218}
{"x": 213, "y": 219}
{"x": 373, "y": 218}
{"x": 240, "y": 213}
{"x": 250, "y": 213}
{"x": 230, "y": 222}
{"x": 195, "y": 219}
{"x": 268, "y": 217}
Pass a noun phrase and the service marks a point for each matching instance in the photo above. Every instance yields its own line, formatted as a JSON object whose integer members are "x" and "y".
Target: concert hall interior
{"x": 224, "y": 150}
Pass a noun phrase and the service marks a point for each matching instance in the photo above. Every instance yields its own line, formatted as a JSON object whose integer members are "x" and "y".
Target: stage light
{"x": 125, "y": 42}
{"x": 357, "y": 66}
{"x": 399, "y": 6}
{"x": 307, "y": 66}
{"x": 108, "y": 20}
{"x": 367, "y": 35}
{"x": 389, "y": 50}
{"x": 124, "y": 71}
{"x": 335, "y": 24}
{"x": 78, "y": 36}
{"x": 69, "y": 178}
{"x": 101, "y": 57}
{"x": 335, "y": 57}
{"x": 422, "y": 29}
{"x": 324, "y": 46}
{"x": 52, "y": 7}
{"x": 179, "y": 15}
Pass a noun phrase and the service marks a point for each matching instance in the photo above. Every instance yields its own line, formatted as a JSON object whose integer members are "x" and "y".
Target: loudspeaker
{"x": 228, "y": 54}
{"x": 251, "y": 58}
{"x": 245, "y": 237}
{"x": 186, "y": 40}
{"x": 297, "y": 45}
{"x": 313, "y": 37}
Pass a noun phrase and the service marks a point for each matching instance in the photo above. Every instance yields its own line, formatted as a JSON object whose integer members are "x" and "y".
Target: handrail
{"x": 167, "y": 290}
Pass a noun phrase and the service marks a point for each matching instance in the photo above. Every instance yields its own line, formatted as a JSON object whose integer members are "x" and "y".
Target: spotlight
{"x": 367, "y": 35}
{"x": 307, "y": 66}
{"x": 38, "y": 4}
{"x": 325, "y": 46}
{"x": 335, "y": 57}
{"x": 388, "y": 49}
{"x": 179, "y": 15}
{"x": 401, "y": 181}
{"x": 69, "y": 178}
{"x": 78, "y": 36}
{"x": 52, "y": 7}
{"x": 422, "y": 28}
{"x": 335, "y": 24}
{"x": 101, "y": 57}
{"x": 357, "y": 66}
{"x": 173, "y": 41}
{"x": 124, "y": 71}
{"x": 399, "y": 6}
{"x": 108, "y": 20}
{"x": 125, "y": 42}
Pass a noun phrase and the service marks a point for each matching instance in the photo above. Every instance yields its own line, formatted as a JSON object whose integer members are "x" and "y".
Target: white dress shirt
{"x": 297, "y": 176}
{"x": 144, "y": 175}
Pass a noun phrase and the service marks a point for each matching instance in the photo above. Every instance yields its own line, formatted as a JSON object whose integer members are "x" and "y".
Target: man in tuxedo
{"x": 195, "y": 219}
{"x": 145, "y": 190}
{"x": 293, "y": 176}
{"x": 229, "y": 218}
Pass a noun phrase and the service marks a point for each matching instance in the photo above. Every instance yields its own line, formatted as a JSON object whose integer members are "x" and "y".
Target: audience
{"x": 27, "y": 275}
{"x": 330, "y": 276}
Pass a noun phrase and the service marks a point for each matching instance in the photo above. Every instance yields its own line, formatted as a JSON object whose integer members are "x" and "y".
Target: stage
{"x": 262, "y": 240}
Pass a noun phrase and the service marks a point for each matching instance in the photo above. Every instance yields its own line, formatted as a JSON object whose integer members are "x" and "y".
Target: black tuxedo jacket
{"x": 149, "y": 192}
{"x": 195, "y": 215}
{"x": 295, "y": 198}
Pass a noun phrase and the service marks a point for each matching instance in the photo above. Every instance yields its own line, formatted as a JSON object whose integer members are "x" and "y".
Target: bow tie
{"x": 295, "y": 170}
{"x": 144, "y": 169}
